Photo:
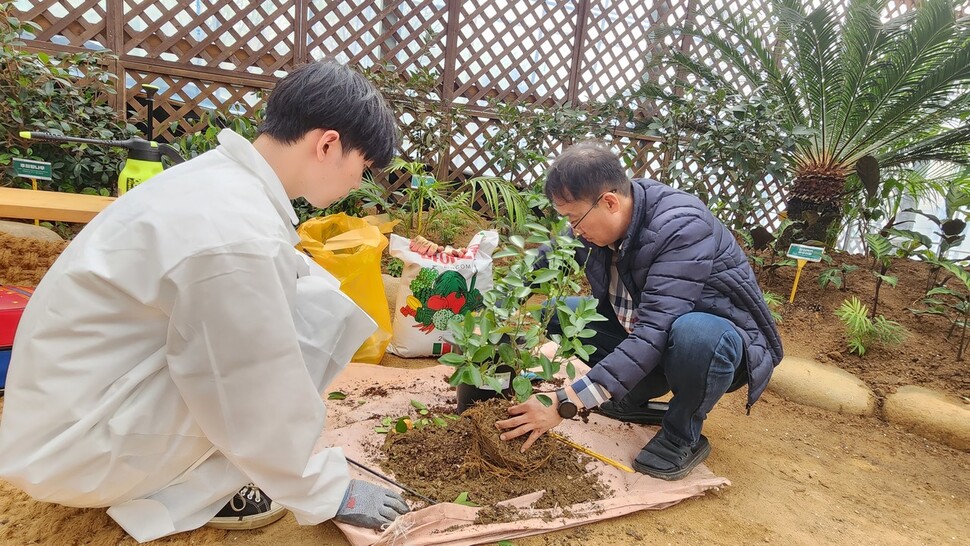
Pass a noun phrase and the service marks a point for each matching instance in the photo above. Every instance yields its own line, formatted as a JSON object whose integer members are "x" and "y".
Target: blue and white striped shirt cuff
{"x": 589, "y": 393}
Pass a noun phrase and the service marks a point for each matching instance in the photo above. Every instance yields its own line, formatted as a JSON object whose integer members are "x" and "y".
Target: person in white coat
{"x": 175, "y": 353}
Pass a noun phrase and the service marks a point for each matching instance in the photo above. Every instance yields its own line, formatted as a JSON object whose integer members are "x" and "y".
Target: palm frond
{"x": 951, "y": 146}
{"x": 926, "y": 63}
{"x": 502, "y": 197}
{"x": 820, "y": 74}
{"x": 863, "y": 40}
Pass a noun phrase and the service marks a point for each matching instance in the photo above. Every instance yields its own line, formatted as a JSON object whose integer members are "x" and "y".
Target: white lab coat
{"x": 176, "y": 351}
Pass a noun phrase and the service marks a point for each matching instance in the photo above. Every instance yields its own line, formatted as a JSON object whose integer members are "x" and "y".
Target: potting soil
{"x": 447, "y": 462}
{"x": 570, "y": 490}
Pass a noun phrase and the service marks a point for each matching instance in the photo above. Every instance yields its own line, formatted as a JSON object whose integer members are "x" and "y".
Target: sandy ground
{"x": 800, "y": 476}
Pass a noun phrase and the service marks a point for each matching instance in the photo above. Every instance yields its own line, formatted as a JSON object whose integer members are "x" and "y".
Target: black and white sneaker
{"x": 250, "y": 508}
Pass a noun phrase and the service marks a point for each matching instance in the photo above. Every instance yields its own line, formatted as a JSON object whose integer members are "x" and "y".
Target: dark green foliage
{"x": 836, "y": 276}
{"x": 510, "y": 327}
{"x": 713, "y": 138}
{"x": 65, "y": 94}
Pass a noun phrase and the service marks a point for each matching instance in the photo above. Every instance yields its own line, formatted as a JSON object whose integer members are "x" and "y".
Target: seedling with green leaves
{"x": 952, "y": 303}
{"x": 883, "y": 253}
{"x": 774, "y": 301}
{"x": 425, "y": 418}
{"x": 861, "y": 332}
{"x": 511, "y": 327}
{"x": 836, "y": 276}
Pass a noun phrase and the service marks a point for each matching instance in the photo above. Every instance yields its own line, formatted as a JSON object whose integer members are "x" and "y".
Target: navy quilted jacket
{"x": 677, "y": 258}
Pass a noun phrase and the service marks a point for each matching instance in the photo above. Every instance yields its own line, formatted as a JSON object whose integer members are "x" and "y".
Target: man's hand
{"x": 425, "y": 247}
{"x": 371, "y": 506}
{"x": 530, "y": 417}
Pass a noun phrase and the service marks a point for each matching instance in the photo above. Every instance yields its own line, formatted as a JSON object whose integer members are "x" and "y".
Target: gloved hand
{"x": 427, "y": 248}
{"x": 371, "y": 506}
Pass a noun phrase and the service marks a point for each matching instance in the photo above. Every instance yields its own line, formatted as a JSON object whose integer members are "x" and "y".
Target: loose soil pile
{"x": 468, "y": 456}
{"x": 927, "y": 357}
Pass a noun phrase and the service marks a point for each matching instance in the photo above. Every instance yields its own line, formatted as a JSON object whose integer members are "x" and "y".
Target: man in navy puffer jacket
{"x": 684, "y": 311}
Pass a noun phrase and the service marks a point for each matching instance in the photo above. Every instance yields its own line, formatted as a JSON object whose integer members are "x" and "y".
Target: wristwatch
{"x": 567, "y": 409}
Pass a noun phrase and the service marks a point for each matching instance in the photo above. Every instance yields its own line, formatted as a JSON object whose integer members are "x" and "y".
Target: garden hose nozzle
{"x": 144, "y": 156}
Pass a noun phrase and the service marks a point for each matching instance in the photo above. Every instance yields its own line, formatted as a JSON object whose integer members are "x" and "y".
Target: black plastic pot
{"x": 469, "y": 395}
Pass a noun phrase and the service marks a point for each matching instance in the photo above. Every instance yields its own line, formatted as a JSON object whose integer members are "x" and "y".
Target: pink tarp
{"x": 351, "y": 425}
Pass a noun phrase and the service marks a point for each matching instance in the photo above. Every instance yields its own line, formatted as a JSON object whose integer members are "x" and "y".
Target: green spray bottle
{"x": 144, "y": 156}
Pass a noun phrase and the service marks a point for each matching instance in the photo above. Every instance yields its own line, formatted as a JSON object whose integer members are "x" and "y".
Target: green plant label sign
{"x": 805, "y": 252}
{"x": 420, "y": 180}
{"x": 28, "y": 168}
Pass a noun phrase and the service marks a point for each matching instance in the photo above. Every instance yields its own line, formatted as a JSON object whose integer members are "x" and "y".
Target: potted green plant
{"x": 499, "y": 346}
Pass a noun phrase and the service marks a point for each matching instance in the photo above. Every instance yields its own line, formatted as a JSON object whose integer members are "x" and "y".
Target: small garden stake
{"x": 804, "y": 254}
{"x": 34, "y": 170}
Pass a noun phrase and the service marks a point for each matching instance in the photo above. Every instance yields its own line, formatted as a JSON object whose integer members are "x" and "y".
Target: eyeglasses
{"x": 583, "y": 217}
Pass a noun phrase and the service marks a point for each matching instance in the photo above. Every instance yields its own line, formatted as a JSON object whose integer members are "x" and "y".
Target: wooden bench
{"x": 51, "y": 205}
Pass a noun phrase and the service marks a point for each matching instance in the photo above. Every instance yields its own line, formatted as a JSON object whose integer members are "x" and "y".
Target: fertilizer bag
{"x": 435, "y": 288}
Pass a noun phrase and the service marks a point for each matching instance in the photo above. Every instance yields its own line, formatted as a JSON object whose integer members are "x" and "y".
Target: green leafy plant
{"x": 715, "y": 138}
{"x": 883, "y": 253}
{"x": 836, "y": 276}
{"x": 519, "y": 149}
{"x": 861, "y": 331}
{"x": 444, "y": 209}
{"x": 774, "y": 301}
{"x": 64, "y": 94}
{"x": 414, "y": 95}
{"x": 393, "y": 266}
{"x": 429, "y": 203}
{"x": 952, "y": 303}
{"x": 895, "y": 91}
{"x": 424, "y": 418}
{"x": 510, "y": 328}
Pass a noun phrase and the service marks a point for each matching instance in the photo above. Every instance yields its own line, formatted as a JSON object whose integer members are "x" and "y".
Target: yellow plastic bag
{"x": 350, "y": 249}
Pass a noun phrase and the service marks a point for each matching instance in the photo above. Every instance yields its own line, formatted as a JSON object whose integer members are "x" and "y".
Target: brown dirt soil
{"x": 800, "y": 475}
{"x": 444, "y": 462}
{"x": 810, "y": 327}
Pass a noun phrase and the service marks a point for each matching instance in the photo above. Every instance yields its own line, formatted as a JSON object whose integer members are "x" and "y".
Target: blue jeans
{"x": 703, "y": 360}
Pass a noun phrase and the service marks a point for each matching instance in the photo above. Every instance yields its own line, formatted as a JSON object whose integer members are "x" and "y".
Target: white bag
{"x": 435, "y": 288}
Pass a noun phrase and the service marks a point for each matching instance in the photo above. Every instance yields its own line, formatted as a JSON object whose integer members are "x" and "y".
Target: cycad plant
{"x": 897, "y": 92}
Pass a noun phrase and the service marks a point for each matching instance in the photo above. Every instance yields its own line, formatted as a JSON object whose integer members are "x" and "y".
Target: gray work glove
{"x": 371, "y": 506}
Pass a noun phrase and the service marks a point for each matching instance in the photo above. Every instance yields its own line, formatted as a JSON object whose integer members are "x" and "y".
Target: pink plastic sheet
{"x": 351, "y": 425}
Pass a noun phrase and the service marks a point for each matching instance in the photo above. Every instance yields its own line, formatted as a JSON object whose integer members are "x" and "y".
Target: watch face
{"x": 567, "y": 410}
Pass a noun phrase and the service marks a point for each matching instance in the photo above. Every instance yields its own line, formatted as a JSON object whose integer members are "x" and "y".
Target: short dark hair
{"x": 583, "y": 172}
{"x": 329, "y": 95}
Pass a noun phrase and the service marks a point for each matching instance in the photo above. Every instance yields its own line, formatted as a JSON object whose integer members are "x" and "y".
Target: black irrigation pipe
{"x": 390, "y": 481}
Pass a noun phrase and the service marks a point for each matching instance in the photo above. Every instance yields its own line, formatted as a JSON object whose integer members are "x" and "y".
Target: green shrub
{"x": 62, "y": 94}
{"x": 862, "y": 332}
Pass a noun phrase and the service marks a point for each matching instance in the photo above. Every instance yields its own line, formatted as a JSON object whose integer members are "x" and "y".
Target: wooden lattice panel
{"x": 642, "y": 157}
{"x": 183, "y": 100}
{"x": 407, "y": 34}
{"x": 256, "y": 37}
{"x": 618, "y": 45}
{"x": 80, "y": 23}
{"x": 530, "y": 47}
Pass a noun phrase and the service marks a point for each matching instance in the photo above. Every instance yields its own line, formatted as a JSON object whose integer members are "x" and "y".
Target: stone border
{"x": 919, "y": 410}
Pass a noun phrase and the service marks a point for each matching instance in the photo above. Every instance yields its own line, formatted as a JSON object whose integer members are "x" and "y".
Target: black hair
{"x": 329, "y": 95}
{"x": 583, "y": 172}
